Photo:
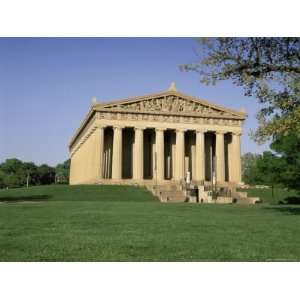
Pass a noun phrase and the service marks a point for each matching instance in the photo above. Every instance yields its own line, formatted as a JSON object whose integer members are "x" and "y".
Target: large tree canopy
{"x": 268, "y": 68}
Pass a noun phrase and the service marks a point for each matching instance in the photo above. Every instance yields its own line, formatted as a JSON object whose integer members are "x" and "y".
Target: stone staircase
{"x": 173, "y": 196}
{"x": 169, "y": 193}
{"x": 177, "y": 193}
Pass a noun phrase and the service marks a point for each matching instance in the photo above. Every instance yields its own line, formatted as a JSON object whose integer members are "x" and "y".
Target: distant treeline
{"x": 16, "y": 173}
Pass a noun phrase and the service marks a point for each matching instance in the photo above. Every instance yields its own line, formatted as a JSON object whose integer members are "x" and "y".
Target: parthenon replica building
{"x": 158, "y": 139}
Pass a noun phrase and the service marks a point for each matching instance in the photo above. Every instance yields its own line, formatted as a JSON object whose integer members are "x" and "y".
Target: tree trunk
{"x": 27, "y": 180}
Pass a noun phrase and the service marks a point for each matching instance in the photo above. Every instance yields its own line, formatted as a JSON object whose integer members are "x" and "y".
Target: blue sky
{"x": 47, "y": 85}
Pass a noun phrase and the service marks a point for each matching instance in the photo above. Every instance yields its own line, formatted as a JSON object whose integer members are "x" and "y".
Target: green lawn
{"x": 117, "y": 223}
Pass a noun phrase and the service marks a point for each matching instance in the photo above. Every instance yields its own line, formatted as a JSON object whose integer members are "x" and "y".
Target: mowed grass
{"x": 119, "y": 223}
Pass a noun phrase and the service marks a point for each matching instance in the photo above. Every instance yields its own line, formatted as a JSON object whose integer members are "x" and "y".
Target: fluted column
{"x": 179, "y": 171}
{"x": 138, "y": 156}
{"x": 160, "y": 153}
{"x": 99, "y": 152}
{"x": 236, "y": 158}
{"x": 200, "y": 155}
{"x": 220, "y": 156}
{"x": 117, "y": 154}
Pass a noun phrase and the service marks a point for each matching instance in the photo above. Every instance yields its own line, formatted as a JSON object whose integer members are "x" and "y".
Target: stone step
{"x": 177, "y": 198}
{"x": 171, "y": 193}
{"x": 248, "y": 200}
{"x": 171, "y": 196}
{"x": 174, "y": 193}
{"x": 168, "y": 188}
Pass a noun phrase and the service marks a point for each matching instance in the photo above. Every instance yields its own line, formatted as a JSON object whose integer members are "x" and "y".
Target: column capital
{"x": 236, "y": 133}
{"x": 221, "y": 131}
{"x": 181, "y": 130}
{"x": 139, "y": 127}
{"x": 101, "y": 126}
{"x": 118, "y": 127}
{"x": 201, "y": 130}
{"x": 160, "y": 129}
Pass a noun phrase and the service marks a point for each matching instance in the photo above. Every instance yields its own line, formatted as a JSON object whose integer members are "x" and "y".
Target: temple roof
{"x": 169, "y": 104}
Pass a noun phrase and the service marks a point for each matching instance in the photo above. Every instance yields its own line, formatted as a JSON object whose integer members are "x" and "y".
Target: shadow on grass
{"x": 293, "y": 210}
{"x": 295, "y": 200}
{"x": 32, "y": 198}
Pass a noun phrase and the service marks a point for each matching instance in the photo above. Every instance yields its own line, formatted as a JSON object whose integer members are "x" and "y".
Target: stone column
{"x": 117, "y": 154}
{"x": 173, "y": 152}
{"x": 230, "y": 159}
{"x": 138, "y": 154}
{"x": 200, "y": 155}
{"x": 236, "y": 157}
{"x": 160, "y": 153}
{"x": 99, "y": 152}
{"x": 220, "y": 156}
{"x": 179, "y": 171}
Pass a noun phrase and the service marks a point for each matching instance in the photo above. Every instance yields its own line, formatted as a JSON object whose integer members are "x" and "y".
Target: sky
{"x": 46, "y": 87}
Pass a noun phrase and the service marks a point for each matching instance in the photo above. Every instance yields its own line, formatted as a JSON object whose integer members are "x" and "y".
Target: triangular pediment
{"x": 171, "y": 103}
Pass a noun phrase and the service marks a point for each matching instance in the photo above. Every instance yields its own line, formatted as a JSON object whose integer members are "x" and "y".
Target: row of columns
{"x": 138, "y": 164}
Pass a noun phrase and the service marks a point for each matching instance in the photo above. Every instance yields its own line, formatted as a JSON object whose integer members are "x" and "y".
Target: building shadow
{"x": 31, "y": 198}
{"x": 292, "y": 210}
{"x": 295, "y": 200}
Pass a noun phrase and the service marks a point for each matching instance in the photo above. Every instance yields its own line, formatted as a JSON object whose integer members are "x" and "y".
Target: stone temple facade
{"x": 158, "y": 139}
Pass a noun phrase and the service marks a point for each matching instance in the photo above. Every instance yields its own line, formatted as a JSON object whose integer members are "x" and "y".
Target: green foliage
{"x": 46, "y": 174}
{"x": 118, "y": 223}
{"x": 11, "y": 166}
{"x": 265, "y": 169}
{"x": 270, "y": 167}
{"x": 2, "y": 179}
{"x": 282, "y": 168}
{"x": 250, "y": 174}
{"x": 268, "y": 68}
{"x": 63, "y": 172}
{"x": 15, "y": 173}
{"x": 288, "y": 146}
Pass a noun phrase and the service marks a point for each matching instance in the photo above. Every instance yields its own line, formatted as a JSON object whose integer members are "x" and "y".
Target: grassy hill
{"x": 119, "y": 223}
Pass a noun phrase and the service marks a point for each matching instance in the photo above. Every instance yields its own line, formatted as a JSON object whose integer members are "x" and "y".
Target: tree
{"x": 14, "y": 175}
{"x": 268, "y": 68}
{"x": 250, "y": 174}
{"x": 63, "y": 171}
{"x": 288, "y": 147}
{"x": 11, "y": 165}
{"x": 30, "y": 169}
{"x": 2, "y": 179}
{"x": 46, "y": 174}
{"x": 270, "y": 168}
